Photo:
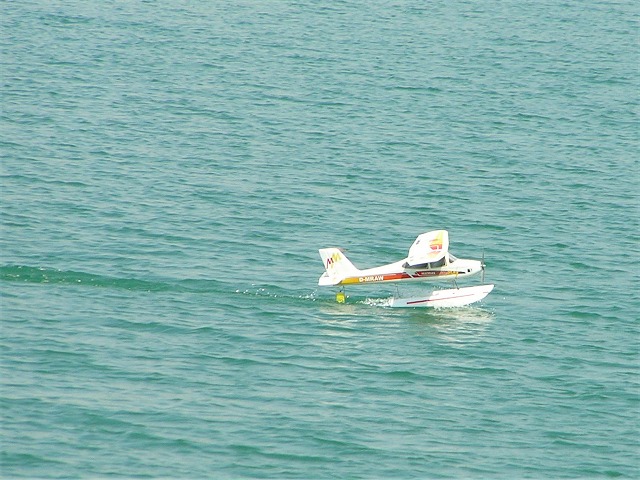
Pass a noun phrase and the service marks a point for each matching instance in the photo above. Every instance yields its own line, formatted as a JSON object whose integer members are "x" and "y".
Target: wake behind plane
{"x": 428, "y": 260}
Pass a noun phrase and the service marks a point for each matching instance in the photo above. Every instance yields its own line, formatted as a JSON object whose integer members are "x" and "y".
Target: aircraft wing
{"x": 428, "y": 248}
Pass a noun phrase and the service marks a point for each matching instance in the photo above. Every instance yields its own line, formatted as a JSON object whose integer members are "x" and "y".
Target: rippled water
{"x": 170, "y": 170}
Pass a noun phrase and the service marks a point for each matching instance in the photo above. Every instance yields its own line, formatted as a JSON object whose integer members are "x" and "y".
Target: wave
{"x": 44, "y": 275}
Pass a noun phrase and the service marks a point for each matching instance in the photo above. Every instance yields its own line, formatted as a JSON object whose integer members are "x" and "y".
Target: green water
{"x": 169, "y": 171}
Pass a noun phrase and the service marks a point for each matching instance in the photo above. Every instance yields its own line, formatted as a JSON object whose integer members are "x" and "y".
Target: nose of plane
{"x": 479, "y": 266}
{"x": 476, "y": 266}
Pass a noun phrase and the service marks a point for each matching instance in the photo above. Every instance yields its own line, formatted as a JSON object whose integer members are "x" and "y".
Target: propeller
{"x": 482, "y": 265}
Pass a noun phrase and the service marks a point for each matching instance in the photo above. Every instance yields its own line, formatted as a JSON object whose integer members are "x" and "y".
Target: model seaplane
{"x": 428, "y": 260}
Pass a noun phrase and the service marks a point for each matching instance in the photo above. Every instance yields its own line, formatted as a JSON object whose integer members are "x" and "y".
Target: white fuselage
{"x": 398, "y": 272}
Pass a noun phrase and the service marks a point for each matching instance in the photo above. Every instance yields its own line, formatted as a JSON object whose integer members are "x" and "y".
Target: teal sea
{"x": 169, "y": 171}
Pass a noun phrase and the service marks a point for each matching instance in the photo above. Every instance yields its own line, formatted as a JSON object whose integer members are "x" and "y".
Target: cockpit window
{"x": 438, "y": 264}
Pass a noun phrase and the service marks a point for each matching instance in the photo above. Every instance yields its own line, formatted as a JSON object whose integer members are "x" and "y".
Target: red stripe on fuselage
{"x": 390, "y": 277}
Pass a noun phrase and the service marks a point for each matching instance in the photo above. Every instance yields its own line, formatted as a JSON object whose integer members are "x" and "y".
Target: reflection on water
{"x": 455, "y": 325}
